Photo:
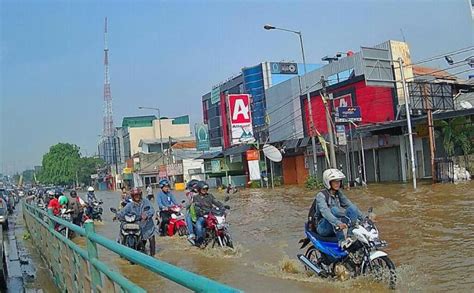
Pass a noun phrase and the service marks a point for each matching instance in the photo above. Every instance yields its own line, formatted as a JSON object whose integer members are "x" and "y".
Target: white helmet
{"x": 90, "y": 189}
{"x": 330, "y": 175}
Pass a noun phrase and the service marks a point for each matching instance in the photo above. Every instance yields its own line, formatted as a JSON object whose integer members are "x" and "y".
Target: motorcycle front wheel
{"x": 383, "y": 270}
{"x": 227, "y": 241}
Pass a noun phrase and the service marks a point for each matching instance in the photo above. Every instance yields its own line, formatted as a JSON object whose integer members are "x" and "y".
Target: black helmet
{"x": 192, "y": 184}
{"x": 202, "y": 185}
{"x": 73, "y": 193}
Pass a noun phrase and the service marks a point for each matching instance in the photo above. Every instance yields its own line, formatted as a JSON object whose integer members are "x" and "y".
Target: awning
{"x": 207, "y": 156}
{"x": 291, "y": 143}
{"x": 235, "y": 150}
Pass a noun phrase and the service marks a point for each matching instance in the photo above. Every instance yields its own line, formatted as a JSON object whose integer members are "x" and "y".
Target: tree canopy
{"x": 63, "y": 165}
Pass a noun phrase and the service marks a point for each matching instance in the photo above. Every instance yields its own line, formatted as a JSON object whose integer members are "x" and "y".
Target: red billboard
{"x": 240, "y": 118}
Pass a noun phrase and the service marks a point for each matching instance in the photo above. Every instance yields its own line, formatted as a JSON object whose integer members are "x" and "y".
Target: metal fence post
{"x": 92, "y": 253}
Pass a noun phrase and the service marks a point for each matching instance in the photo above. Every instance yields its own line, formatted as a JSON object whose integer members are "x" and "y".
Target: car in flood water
{"x": 3, "y": 214}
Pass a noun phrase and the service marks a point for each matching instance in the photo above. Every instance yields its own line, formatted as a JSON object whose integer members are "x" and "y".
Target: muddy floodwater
{"x": 430, "y": 234}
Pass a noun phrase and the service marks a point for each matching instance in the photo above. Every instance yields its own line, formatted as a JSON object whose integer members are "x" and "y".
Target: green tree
{"x": 457, "y": 132}
{"x": 87, "y": 167}
{"x": 60, "y": 164}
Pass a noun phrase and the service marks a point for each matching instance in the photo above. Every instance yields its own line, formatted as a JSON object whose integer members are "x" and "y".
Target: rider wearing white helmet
{"x": 331, "y": 207}
{"x": 90, "y": 199}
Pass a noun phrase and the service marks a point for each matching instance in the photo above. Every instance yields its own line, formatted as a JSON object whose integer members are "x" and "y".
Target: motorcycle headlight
{"x": 129, "y": 218}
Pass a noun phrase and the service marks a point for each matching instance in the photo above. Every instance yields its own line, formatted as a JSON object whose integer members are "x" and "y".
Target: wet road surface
{"x": 430, "y": 235}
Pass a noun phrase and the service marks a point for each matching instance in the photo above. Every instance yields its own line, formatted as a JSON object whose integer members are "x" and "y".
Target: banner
{"x": 341, "y": 134}
{"x": 174, "y": 169}
{"x": 201, "y": 132}
{"x": 240, "y": 119}
{"x": 254, "y": 170}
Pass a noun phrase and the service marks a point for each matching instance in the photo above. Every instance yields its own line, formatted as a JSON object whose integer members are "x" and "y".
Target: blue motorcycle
{"x": 360, "y": 255}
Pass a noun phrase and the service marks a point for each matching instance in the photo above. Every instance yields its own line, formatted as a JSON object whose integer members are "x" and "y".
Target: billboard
{"x": 283, "y": 68}
{"x": 201, "y": 132}
{"x": 240, "y": 119}
{"x": 346, "y": 114}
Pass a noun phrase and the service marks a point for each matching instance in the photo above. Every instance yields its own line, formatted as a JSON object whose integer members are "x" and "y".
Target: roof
{"x": 427, "y": 72}
{"x": 166, "y": 140}
{"x": 236, "y": 149}
{"x": 437, "y": 115}
{"x": 138, "y": 121}
{"x": 211, "y": 155}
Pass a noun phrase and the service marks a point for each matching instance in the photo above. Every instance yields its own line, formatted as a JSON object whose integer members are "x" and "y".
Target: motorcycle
{"x": 97, "y": 211}
{"x": 176, "y": 223}
{"x": 217, "y": 229}
{"x": 360, "y": 254}
{"x": 66, "y": 215}
{"x": 130, "y": 232}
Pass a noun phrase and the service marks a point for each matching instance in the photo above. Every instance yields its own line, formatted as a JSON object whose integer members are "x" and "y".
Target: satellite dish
{"x": 465, "y": 105}
{"x": 272, "y": 153}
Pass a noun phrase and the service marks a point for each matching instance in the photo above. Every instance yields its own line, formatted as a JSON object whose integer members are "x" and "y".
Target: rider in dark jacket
{"x": 203, "y": 204}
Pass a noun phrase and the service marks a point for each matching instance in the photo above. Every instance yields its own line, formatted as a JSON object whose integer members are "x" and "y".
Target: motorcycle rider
{"x": 191, "y": 211}
{"x": 203, "y": 204}
{"x": 90, "y": 199}
{"x": 143, "y": 208}
{"x": 53, "y": 203}
{"x": 165, "y": 200}
{"x": 331, "y": 208}
{"x": 77, "y": 205}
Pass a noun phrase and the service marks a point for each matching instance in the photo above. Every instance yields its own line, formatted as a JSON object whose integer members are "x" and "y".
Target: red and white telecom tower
{"x": 108, "y": 130}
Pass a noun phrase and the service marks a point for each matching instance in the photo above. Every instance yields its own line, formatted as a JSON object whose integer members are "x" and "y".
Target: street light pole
{"x": 308, "y": 98}
{"x": 407, "y": 109}
{"x": 159, "y": 123}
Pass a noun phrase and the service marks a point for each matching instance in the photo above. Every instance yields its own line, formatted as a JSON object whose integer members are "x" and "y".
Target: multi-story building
{"x": 254, "y": 80}
{"x": 135, "y": 129}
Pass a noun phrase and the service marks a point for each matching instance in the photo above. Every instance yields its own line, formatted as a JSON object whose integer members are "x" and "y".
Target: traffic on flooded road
{"x": 266, "y": 226}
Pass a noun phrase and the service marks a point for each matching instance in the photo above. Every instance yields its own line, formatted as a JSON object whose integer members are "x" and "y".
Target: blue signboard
{"x": 346, "y": 114}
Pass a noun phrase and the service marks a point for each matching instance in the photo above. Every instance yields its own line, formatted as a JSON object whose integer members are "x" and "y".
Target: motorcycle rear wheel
{"x": 315, "y": 257}
{"x": 383, "y": 270}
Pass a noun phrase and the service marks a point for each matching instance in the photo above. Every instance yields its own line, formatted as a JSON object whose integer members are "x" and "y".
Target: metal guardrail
{"x": 78, "y": 270}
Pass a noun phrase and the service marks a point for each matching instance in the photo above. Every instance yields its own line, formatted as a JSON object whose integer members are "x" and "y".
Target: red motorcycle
{"x": 177, "y": 222}
{"x": 217, "y": 229}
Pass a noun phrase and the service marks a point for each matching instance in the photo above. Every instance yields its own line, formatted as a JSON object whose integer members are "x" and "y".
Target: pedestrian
{"x": 149, "y": 192}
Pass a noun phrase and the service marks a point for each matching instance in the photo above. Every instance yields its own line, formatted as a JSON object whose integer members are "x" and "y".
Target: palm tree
{"x": 457, "y": 132}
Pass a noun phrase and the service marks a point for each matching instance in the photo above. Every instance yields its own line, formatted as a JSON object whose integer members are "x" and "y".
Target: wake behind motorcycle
{"x": 360, "y": 255}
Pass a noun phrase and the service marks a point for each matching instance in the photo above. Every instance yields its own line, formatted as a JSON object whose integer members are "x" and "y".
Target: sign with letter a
{"x": 240, "y": 119}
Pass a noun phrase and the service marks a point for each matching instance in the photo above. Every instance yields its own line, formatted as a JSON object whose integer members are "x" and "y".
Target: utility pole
{"x": 332, "y": 153}
{"x": 429, "y": 113}
{"x": 407, "y": 109}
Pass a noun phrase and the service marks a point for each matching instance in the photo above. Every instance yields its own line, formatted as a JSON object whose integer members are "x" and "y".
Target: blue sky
{"x": 169, "y": 53}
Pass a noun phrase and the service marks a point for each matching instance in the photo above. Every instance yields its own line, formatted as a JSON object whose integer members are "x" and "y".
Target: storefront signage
{"x": 341, "y": 134}
{"x": 240, "y": 119}
{"x": 215, "y": 166}
{"x": 283, "y": 68}
{"x": 215, "y": 94}
{"x": 202, "y": 136}
{"x": 252, "y": 155}
{"x": 346, "y": 114}
{"x": 174, "y": 169}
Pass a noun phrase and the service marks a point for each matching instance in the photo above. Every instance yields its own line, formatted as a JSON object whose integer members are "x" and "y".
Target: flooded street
{"x": 430, "y": 235}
